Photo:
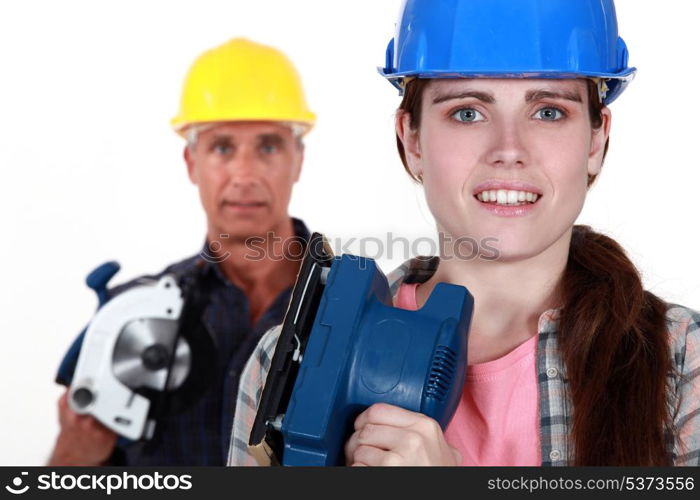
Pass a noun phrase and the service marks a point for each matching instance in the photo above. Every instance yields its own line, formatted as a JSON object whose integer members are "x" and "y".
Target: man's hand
{"x": 82, "y": 439}
{"x": 389, "y": 435}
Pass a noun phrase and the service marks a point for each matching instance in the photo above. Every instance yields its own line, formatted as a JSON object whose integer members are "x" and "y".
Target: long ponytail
{"x": 615, "y": 347}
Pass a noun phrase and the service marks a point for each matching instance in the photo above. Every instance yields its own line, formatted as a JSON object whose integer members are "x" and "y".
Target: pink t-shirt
{"x": 497, "y": 420}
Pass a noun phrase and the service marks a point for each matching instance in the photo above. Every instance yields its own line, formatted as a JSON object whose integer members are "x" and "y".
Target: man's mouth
{"x": 244, "y": 204}
{"x": 507, "y": 197}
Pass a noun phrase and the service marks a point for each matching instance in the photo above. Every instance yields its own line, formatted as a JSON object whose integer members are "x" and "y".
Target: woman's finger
{"x": 385, "y": 414}
{"x": 373, "y": 457}
{"x": 350, "y": 446}
{"x": 386, "y": 437}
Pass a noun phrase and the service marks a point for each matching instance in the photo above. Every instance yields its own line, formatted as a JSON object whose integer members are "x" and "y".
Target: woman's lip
{"x": 508, "y": 210}
{"x": 508, "y": 186}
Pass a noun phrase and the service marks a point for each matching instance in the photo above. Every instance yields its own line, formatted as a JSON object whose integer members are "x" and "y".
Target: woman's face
{"x": 486, "y": 148}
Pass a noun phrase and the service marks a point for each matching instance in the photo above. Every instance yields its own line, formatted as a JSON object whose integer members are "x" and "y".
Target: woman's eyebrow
{"x": 482, "y": 96}
{"x": 530, "y": 96}
{"x": 539, "y": 94}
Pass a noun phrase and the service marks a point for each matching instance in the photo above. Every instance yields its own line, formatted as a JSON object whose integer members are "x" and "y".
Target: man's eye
{"x": 269, "y": 148}
{"x": 468, "y": 115}
{"x": 550, "y": 114}
{"x": 223, "y": 149}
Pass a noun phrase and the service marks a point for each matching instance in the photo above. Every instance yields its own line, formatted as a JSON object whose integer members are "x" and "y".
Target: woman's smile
{"x": 507, "y": 198}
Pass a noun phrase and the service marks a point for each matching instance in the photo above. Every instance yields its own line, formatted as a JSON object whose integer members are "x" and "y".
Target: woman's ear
{"x": 410, "y": 139}
{"x": 599, "y": 137}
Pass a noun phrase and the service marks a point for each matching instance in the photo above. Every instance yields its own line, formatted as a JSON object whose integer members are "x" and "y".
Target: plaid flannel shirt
{"x": 554, "y": 403}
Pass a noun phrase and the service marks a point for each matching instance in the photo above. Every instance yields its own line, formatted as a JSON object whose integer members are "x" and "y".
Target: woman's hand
{"x": 389, "y": 435}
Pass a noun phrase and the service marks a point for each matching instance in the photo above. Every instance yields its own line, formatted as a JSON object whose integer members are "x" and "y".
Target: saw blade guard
{"x": 96, "y": 389}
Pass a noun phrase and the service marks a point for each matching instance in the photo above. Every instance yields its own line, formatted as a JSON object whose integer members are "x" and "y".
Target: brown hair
{"x": 612, "y": 338}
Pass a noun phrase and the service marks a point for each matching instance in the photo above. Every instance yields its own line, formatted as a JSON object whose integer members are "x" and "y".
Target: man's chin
{"x": 244, "y": 227}
{"x": 245, "y": 211}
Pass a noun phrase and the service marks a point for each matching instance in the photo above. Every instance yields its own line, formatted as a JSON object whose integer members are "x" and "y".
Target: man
{"x": 243, "y": 114}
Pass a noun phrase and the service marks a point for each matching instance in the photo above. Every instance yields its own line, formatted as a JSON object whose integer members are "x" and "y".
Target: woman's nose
{"x": 507, "y": 148}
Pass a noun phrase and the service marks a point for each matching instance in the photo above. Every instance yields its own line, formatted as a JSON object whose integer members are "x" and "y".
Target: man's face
{"x": 245, "y": 172}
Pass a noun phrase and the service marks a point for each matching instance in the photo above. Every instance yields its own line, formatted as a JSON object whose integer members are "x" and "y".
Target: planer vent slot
{"x": 442, "y": 373}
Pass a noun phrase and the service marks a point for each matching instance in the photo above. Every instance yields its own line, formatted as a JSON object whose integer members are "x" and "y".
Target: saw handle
{"x": 97, "y": 280}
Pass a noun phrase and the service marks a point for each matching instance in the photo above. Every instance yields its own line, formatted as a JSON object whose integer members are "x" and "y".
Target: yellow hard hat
{"x": 242, "y": 80}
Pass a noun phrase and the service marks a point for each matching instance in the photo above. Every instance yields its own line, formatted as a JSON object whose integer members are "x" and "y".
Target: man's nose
{"x": 507, "y": 148}
{"x": 244, "y": 168}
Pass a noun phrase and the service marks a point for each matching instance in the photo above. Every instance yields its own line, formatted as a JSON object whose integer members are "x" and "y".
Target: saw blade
{"x": 142, "y": 355}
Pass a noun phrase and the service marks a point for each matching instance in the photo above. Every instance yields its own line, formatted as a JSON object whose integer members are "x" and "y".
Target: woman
{"x": 504, "y": 121}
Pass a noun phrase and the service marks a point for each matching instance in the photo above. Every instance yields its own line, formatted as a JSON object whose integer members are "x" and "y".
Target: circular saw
{"x": 145, "y": 352}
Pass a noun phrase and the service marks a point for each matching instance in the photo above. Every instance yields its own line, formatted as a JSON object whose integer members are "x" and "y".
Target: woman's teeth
{"x": 507, "y": 197}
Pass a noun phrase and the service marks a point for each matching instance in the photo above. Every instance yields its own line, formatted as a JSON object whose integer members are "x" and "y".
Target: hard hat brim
{"x": 181, "y": 127}
{"x": 624, "y": 77}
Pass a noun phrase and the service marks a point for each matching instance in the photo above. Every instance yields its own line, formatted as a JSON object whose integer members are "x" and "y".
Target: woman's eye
{"x": 468, "y": 115}
{"x": 550, "y": 114}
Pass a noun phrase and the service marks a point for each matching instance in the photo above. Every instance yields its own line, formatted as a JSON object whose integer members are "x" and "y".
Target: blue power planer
{"x": 344, "y": 347}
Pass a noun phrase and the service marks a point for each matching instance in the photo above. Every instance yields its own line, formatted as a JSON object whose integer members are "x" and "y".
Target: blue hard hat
{"x": 509, "y": 38}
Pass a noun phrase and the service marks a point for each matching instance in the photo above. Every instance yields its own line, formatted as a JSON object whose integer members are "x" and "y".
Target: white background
{"x": 92, "y": 172}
